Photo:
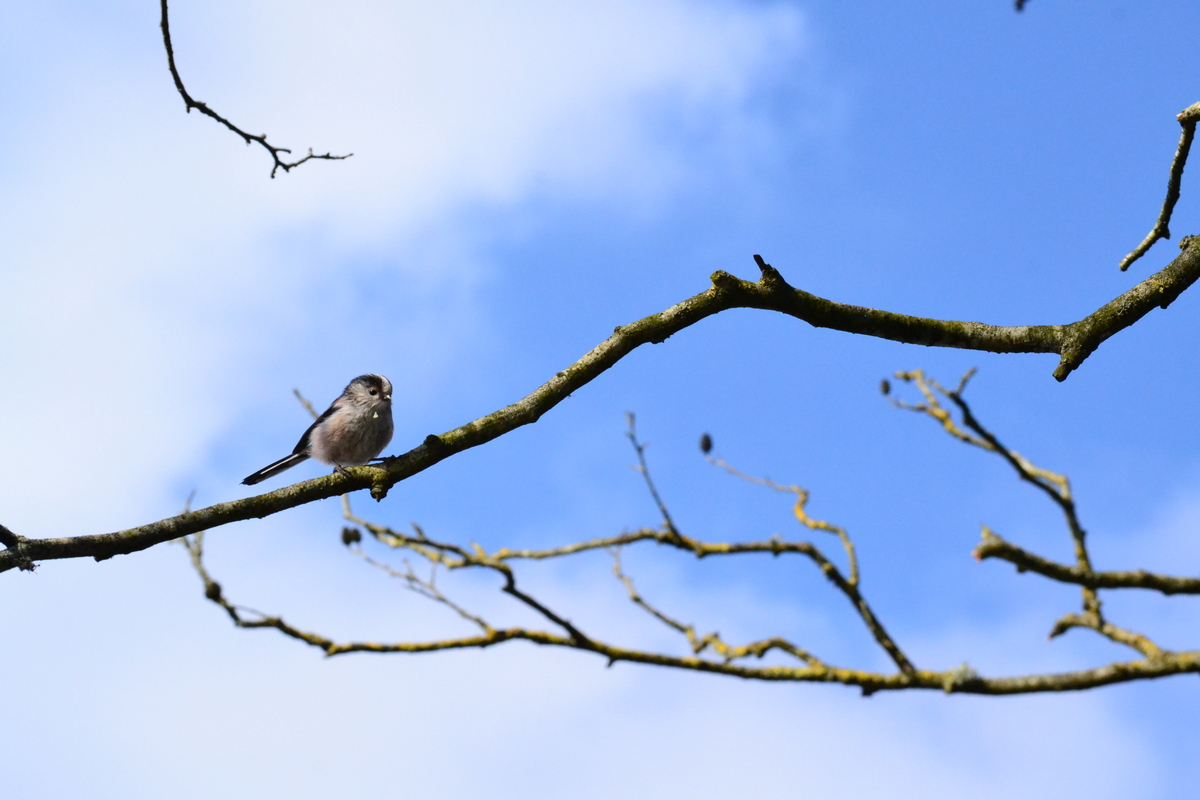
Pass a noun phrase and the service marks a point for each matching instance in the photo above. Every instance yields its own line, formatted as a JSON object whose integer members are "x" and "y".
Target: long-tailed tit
{"x": 351, "y": 432}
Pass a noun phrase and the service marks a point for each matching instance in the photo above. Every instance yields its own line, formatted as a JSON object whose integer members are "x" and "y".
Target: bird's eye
{"x": 374, "y": 392}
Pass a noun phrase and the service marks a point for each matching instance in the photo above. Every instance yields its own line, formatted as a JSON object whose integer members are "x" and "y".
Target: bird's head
{"x": 370, "y": 390}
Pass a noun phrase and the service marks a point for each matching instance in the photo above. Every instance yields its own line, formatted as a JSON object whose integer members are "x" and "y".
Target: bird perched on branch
{"x": 351, "y": 432}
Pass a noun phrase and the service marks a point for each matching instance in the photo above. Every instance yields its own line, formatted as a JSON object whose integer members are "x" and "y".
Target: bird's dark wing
{"x": 306, "y": 440}
{"x": 300, "y": 453}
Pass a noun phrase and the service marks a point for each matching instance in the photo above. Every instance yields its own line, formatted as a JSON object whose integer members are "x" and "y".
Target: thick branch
{"x": 14, "y": 545}
{"x": 286, "y": 166}
{"x": 9, "y": 539}
{"x": 1074, "y": 342}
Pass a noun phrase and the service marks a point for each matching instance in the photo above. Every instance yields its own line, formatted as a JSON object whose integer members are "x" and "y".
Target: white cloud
{"x": 157, "y": 286}
{"x": 154, "y": 274}
{"x": 171, "y": 690}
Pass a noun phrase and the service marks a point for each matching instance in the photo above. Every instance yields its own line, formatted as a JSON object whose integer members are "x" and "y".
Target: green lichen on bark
{"x": 1073, "y": 342}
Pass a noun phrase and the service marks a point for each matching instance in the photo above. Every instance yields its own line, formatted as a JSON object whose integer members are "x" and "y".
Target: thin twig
{"x": 640, "y": 449}
{"x": 713, "y": 640}
{"x": 799, "y": 511}
{"x": 1161, "y": 230}
{"x": 275, "y": 152}
{"x": 425, "y": 588}
{"x": 1094, "y": 621}
{"x": 308, "y": 406}
{"x": 454, "y": 557}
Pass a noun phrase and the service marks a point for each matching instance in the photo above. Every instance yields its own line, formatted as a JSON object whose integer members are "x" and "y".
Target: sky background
{"x": 525, "y": 177}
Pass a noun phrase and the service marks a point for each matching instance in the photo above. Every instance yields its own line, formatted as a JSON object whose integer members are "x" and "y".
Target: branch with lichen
{"x": 1058, "y": 488}
{"x": 1054, "y": 485}
{"x": 995, "y": 546}
{"x": 711, "y": 652}
{"x": 1162, "y": 230}
{"x": 1073, "y": 343}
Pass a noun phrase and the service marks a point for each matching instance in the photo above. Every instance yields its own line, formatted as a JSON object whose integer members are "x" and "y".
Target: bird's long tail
{"x": 271, "y": 470}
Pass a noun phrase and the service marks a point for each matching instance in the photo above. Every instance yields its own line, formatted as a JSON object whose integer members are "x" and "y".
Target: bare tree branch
{"x": 425, "y": 587}
{"x": 1058, "y": 488}
{"x": 189, "y": 103}
{"x": 1054, "y": 485}
{"x": 15, "y": 550}
{"x": 712, "y": 640}
{"x": 994, "y": 546}
{"x": 644, "y": 470}
{"x": 8, "y": 538}
{"x": 1073, "y": 342}
{"x": 1094, "y": 621}
{"x": 1161, "y": 230}
{"x": 963, "y": 679}
{"x": 710, "y": 652}
{"x": 454, "y": 557}
{"x": 799, "y": 511}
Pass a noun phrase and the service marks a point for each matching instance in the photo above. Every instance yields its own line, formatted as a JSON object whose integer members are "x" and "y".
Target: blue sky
{"x": 525, "y": 178}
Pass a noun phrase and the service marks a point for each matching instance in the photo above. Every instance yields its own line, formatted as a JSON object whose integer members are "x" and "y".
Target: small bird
{"x": 351, "y": 432}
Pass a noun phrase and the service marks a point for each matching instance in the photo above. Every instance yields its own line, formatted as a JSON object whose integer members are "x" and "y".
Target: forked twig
{"x": 1161, "y": 230}
{"x": 798, "y": 510}
{"x": 640, "y": 449}
{"x": 710, "y": 652}
{"x": 190, "y": 103}
{"x": 712, "y": 640}
{"x": 1058, "y": 488}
